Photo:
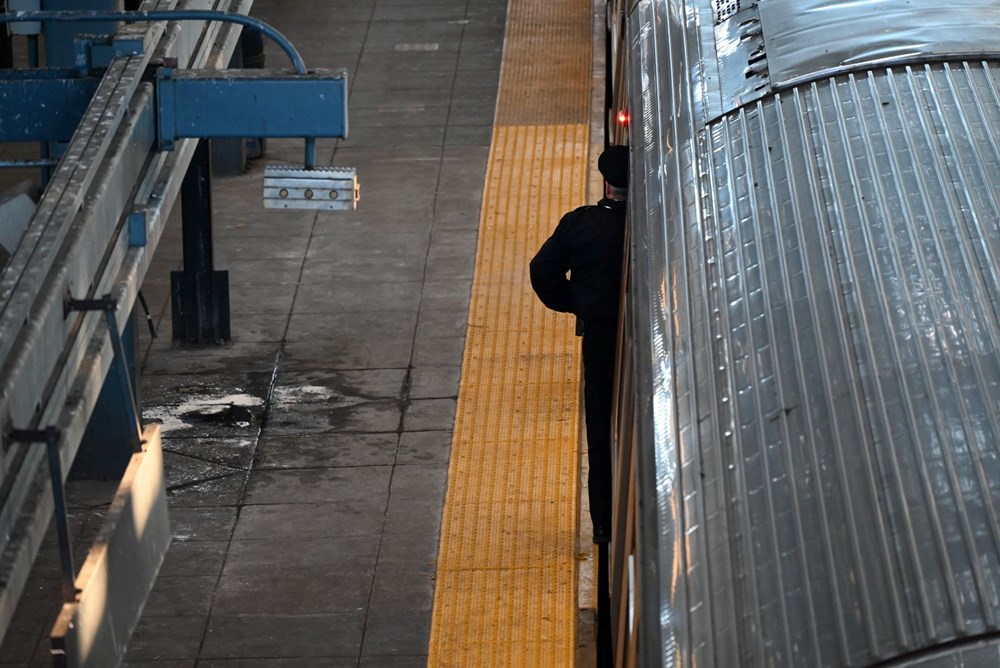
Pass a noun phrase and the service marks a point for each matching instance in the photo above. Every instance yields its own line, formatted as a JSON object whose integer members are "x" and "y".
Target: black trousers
{"x": 599, "y": 340}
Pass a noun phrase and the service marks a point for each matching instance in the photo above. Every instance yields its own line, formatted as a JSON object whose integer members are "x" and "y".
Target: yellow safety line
{"x": 506, "y": 580}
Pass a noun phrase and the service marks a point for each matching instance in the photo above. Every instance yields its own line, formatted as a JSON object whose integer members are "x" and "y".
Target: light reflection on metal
{"x": 814, "y": 280}
{"x": 809, "y": 39}
{"x": 760, "y": 48}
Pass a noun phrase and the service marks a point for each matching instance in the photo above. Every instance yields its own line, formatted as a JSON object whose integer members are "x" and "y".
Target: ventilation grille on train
{"x": 724, "y": 9}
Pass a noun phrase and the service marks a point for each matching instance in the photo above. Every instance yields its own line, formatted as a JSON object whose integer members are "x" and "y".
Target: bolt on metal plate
{"x": 329, "y": 189}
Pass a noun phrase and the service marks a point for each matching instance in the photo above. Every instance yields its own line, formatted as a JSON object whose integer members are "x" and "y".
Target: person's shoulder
{"x": 580, "y": 212}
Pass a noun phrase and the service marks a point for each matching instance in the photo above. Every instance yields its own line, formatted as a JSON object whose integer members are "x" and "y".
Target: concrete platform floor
{"x": 306, "y": 459}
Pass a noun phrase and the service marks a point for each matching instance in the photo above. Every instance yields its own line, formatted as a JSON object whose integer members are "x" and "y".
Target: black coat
{"x": 588, "y": 243}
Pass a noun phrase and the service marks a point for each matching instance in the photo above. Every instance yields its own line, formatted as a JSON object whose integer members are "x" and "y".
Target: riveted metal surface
{"x": 506, "y": 583}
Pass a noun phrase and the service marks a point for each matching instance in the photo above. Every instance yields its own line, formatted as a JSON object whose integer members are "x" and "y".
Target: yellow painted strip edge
{"x": 506, "y": 582}
{"x": 506, "y": 567}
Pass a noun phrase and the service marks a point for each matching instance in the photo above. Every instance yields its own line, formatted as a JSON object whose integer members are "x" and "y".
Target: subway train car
{"x": 808, "y": 448}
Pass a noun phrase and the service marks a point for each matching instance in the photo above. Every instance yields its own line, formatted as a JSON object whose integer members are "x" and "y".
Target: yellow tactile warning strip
{"x": 546, "y": 63}
{"x": 506, "y": 580}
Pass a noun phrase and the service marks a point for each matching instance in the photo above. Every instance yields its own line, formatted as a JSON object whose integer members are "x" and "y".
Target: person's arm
{"x": 548, "y": 272}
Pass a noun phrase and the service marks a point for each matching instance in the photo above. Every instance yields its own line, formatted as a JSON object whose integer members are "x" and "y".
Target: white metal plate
{"x": 330, "y": 189}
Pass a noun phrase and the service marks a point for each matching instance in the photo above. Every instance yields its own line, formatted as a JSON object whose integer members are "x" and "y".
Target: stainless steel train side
{"x": 809, "y": 413}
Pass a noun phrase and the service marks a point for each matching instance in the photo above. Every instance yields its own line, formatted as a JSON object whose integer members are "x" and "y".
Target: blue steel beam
{"x": 59, "y": 36}
{"x": 177, "y": 15}
{"x": 191, "y": 103}
{"x": 43, "y": 109}
{"x": 250, "y": 103}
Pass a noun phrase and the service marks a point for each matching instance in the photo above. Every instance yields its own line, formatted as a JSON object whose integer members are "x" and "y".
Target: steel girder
{"x": 53, "y": 363}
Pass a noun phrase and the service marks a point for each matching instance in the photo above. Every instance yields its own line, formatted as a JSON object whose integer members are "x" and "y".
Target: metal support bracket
{"x": 333, "y": 189}
{"x": 138, "y": 228}
{"x": 149, "y": 318}
{"x": 109, "y": 306}
{"x": 129, "y": 44}
{"x": 50, "y": 437}
{"x": 83, "y": 45}
{"x": 250, "y": 103}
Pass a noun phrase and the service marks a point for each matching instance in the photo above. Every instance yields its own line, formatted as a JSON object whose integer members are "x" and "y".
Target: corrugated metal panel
{"x": 812, "y": 39}
{"x": 850, "y": 247}
{"x": 816, "y": 293}
{"x": 658, "y": 532}
{"x": 857, "y": 240}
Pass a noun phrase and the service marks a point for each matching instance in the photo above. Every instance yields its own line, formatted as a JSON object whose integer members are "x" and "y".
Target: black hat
{"x": 613, "y": 165}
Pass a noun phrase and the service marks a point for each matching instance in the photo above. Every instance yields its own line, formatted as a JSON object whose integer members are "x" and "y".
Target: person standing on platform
{"x": 588, "y": 244}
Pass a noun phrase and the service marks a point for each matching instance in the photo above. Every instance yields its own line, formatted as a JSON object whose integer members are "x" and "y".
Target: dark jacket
{"x": 588, "y": 243}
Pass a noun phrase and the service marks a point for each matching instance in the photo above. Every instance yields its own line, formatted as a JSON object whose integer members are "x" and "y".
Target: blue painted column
{"x": 59, "y": 36}
{"x": 199, "y": 293}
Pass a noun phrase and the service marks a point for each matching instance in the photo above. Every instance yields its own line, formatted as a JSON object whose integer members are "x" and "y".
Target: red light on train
{"x": 623, "y": 117}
